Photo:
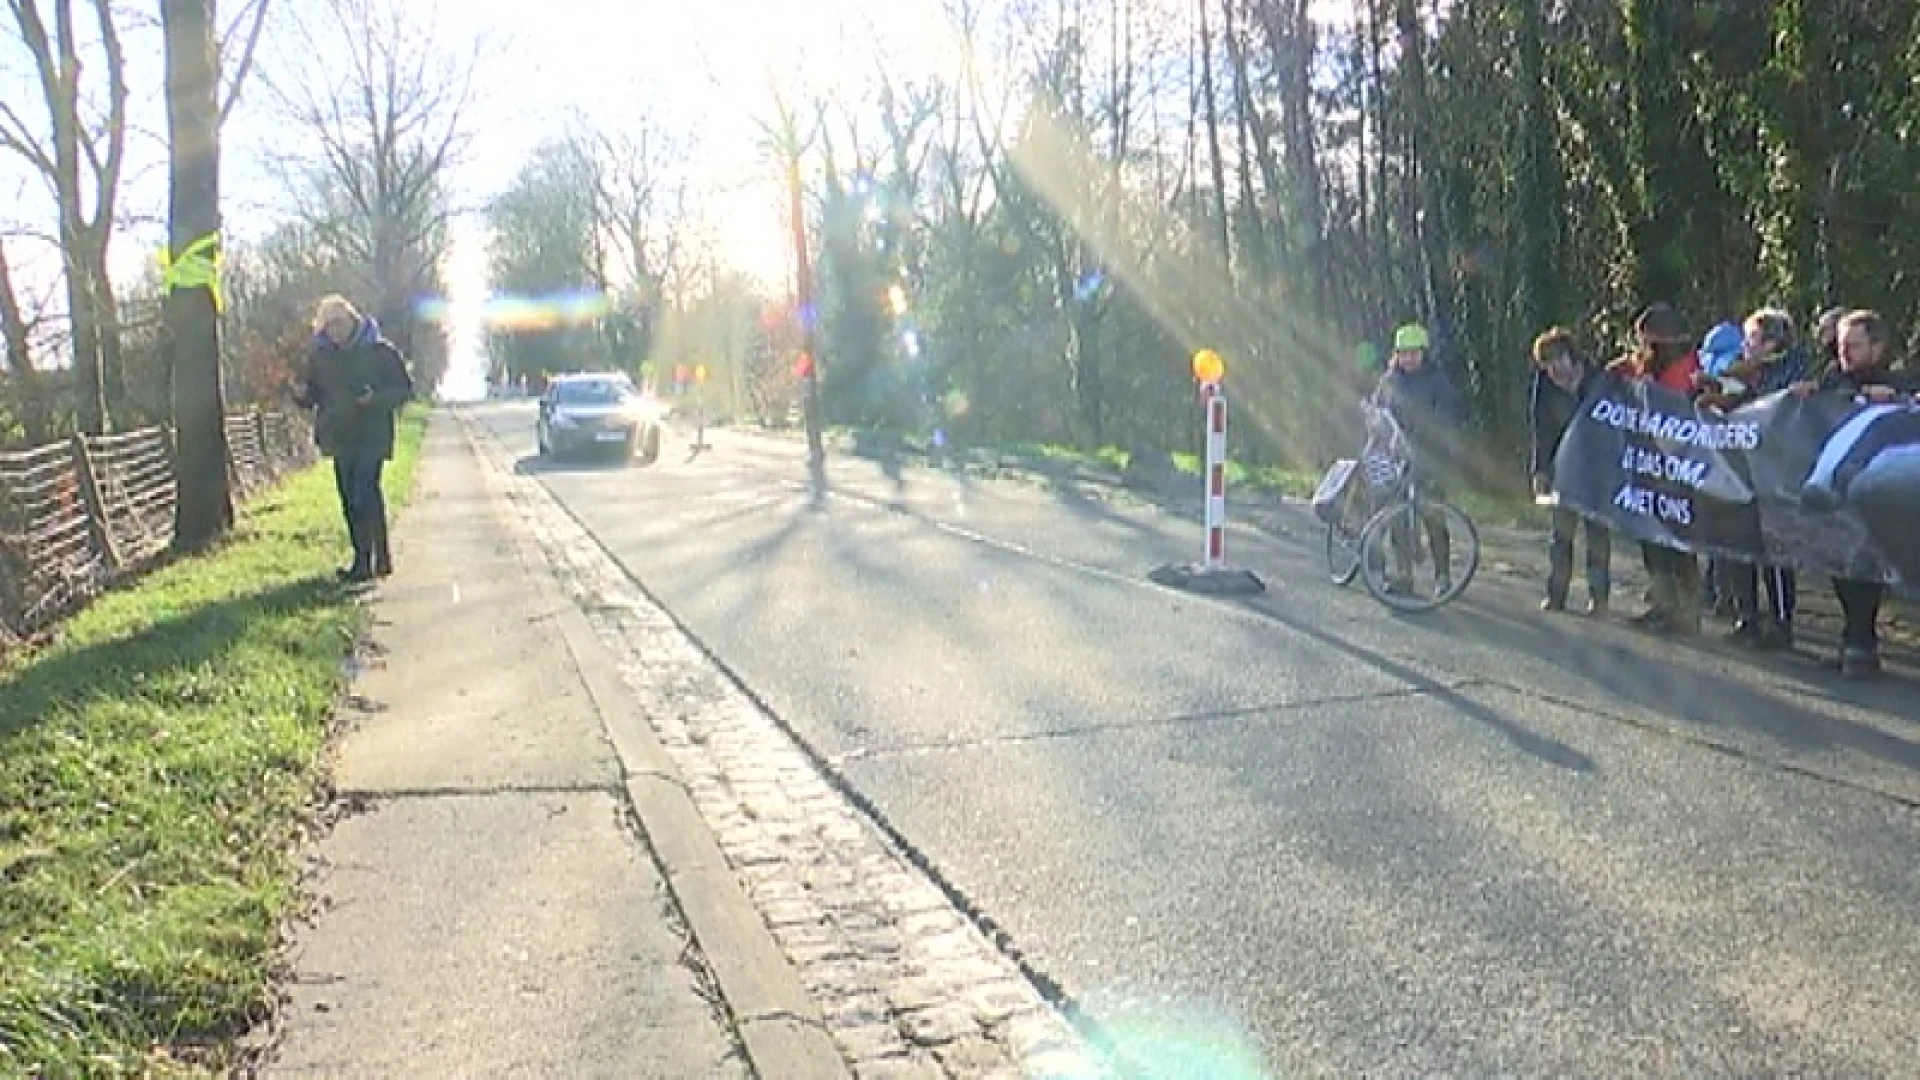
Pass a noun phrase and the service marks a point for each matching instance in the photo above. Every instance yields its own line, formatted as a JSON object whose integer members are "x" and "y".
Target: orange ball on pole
{"x": 1208, "y": 367}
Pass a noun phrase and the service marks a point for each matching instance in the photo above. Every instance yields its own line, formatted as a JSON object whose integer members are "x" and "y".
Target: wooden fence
{"x": 79, "y": 515}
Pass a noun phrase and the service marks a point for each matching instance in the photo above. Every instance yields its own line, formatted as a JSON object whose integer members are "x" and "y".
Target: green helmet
{"x": 1410, "y": 337}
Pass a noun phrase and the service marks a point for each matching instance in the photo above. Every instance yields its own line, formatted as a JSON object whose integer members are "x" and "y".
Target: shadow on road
{"x": 158, "y": 661}
{"x": 1701, "y": 700}
{"x": 539, "y": 464}
{"x": 1543, "y": 747}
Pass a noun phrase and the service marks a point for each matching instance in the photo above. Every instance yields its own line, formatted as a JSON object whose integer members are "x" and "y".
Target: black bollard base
{"x": 1198, "y": 579}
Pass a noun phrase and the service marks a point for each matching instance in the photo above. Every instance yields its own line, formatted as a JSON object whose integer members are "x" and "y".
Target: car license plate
{"x": 612, "y": 436}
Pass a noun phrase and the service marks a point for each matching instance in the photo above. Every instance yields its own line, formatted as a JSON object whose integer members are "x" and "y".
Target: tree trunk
{"x": 106, "y": 327}
{"x": 1659, "y": 108}
{"x": 1535, "y": 199}
{"x": 1428, "y": 222}
{"x": 19, "y": 345}
{"x": 1380, "y": 242}
{"x": 1292, "y": 46}
{"x": 1793, "y": 242}
{"x": 1254, "y": 242}
{"x": 90, "y": 402}
{"x": 1217, "y": 167}
{"x": 204, "y": 505}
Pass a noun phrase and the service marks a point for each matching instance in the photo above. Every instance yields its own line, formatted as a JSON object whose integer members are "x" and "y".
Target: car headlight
{"x": 561, "y": 420}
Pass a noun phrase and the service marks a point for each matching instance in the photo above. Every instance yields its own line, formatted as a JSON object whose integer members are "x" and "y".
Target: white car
{"x": 601, "y": 412}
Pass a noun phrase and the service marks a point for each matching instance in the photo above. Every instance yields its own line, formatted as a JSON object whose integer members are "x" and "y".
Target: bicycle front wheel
{"x": 1417, "y": 557}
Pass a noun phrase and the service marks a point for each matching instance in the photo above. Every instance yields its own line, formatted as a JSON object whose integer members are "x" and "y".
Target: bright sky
{"x": 705, "y": 68}
{"x": 701, "y": 69}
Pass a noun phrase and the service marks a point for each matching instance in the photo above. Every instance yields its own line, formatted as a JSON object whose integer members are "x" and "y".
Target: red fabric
{"x": 1679, "y": 374}
{"x": 1677, "y": 377}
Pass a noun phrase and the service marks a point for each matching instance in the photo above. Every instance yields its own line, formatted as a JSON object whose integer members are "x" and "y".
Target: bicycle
{"x": 1353, "y": 490}
{"x": 1402, "y": 538}
{"x": 1341, "y": 503}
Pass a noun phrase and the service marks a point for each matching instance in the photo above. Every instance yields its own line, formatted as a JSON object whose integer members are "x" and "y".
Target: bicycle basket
{"x": 1333, "y": 489}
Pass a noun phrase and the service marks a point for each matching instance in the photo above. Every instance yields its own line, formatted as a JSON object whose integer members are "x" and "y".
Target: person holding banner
{"x": 1664, "y": 355}
{"x": 1720, "y": 350}
{"x": 1773, "y": 360}
{"x": 1864, "y": 370}
{"x": 1561, "y": 380}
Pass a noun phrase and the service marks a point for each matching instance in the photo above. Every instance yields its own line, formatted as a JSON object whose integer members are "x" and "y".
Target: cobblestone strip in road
{"x": 908, "y": 984}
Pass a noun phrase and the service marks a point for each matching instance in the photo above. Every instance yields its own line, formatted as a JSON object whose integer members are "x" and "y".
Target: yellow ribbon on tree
{"x": 198, "y": 267}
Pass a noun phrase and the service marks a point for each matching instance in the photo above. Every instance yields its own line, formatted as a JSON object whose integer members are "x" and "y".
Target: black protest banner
{"x": 1642, "y": 459}
{"x": 1825, "y": 484}
{"x": 1838, "y": 486}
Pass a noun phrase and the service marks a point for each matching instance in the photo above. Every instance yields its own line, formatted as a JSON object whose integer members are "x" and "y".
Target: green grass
{"x": 155, "y": 761}
{"x": 1274, "y": 479}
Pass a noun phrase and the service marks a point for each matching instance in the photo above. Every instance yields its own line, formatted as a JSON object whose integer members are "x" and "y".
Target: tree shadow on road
{"x": 1685, "y": 696}
{"x": 1544, "y": 747}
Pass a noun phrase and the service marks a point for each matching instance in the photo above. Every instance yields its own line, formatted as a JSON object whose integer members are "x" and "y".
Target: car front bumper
{"x": 606, "y": 437}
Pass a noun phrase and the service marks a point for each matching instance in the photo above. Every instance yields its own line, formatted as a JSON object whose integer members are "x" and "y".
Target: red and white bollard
{"x": 1211, "y": 575}
{"x": 1215, "y": 396}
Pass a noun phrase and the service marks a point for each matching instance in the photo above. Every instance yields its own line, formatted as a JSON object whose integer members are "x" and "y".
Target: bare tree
{"x": 642, "y": 196}
{"x": 80, "y": 155}
{"x": 910, "y": 117}
{"x": 16, "y": 333}
{"x": 788, "y": 136}
{"x": 241, "y": 42}
{"x": 383, "y": 103}
{"x": 1216, "y": 165}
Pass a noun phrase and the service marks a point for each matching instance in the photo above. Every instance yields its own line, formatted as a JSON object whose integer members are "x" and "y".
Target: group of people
{"x": 356, "y": 381}
{"x": 1735, "y": 363}
{"x": 1849, "y": 352}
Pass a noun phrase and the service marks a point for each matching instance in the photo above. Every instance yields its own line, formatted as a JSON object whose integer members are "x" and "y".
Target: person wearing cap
{"x": 1772, "y": 359}
{"x": 1664, "y": 355}
{"x": 1422, "y": 399}
{"x": 1722, "y": 348}
{"x": 1561, "y": 379}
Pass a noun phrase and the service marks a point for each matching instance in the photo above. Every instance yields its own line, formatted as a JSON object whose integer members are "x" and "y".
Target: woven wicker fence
{"x": 79, "y": 515}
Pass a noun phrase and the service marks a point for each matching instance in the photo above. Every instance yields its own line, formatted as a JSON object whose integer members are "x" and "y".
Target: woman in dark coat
{"x": 355, "y": 381}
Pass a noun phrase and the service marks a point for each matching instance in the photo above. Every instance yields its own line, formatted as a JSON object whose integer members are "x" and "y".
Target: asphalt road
{"x": 1299, "y": 833}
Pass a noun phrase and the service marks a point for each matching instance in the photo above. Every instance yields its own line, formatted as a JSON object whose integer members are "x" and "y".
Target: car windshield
{"x": 592, "y": 392}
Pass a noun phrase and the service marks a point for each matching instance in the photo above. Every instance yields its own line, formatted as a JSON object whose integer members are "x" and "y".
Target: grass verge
{"x": 155, "y": 762}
